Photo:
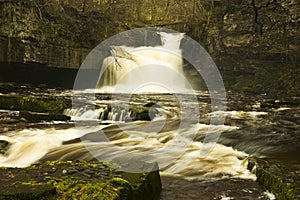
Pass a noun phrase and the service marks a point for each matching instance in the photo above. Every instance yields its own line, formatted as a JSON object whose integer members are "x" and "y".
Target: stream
{"x": 173, "y": 138}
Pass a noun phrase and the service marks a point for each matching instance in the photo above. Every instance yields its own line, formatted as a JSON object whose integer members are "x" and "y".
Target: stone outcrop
{"x": 79, "y": 180}
{"x": 34, "y": 104}
{"x": 281, "y": 180}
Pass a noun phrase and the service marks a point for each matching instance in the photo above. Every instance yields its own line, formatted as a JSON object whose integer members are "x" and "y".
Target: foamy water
{"x": 175, "y": 149}
{"x": 145, "y": 69}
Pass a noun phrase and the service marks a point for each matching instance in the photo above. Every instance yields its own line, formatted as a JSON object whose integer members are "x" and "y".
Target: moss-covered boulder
{"x": 37, "y": 117}
{"x": 4, "y": 146}
{"x": 147, "y": 112}
{"x": 79, "y": 180}
{"x": 34, "y": 104}
{"x": 137, "y": 112}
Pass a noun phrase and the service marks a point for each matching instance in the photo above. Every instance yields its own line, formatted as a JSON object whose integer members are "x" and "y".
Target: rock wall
{"x": 245, "y": 38}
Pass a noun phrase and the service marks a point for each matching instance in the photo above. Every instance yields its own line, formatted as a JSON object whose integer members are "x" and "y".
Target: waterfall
{"x": 145, "y": 68}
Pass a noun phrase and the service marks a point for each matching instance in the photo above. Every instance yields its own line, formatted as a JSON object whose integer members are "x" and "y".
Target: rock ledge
{"x": 79, "y": 180}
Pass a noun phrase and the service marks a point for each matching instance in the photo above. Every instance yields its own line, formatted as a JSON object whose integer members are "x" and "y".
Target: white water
{"x": 145, "y": 69}
{"x": 30, "y": 145}
{"x": 132, "y": 141}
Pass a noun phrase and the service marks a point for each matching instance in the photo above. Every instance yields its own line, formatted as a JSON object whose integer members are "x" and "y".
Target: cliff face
{"x": 243, "y": 37}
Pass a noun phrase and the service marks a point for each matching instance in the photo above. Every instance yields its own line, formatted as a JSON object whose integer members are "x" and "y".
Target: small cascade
{"x": 145, "y": 68}
{"x": 116, "y": 114}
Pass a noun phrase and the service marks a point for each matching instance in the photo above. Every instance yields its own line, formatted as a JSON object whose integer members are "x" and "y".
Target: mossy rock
{"x": 8, "y": 87}
{"x": 37, "y": 117}
{"x": 269, "y": 104}
{"x": 79, "y": 180}
{"x": 4, "y": 146}
{"x": 34, "y": 104}
{"x": 144, "y": 113}
{"x": 275, "y": 179}
{"x": 27, "y": 191}
{"x": 147, "y": 112}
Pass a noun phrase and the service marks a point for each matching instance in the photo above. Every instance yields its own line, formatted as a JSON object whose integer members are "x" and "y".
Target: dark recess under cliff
{"x": 44, "y": 76}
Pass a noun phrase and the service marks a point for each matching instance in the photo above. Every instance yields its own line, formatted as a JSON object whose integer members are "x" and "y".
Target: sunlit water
{"x": 248, "y": 130}
{"x": 175, "y": 148}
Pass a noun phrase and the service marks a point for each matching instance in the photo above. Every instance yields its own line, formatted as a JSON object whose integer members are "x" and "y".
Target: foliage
{"x": 269, "y": 80}
{"x": 289, "y": 76}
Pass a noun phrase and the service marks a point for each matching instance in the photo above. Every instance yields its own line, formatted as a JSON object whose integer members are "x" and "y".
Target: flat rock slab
{"x": 79, "y": 180}
{"x": 222, "y": 189}
{"x": 50, "y": 105}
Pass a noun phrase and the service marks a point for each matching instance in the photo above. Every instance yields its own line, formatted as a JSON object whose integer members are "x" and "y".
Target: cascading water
{"x": 59, "y": 143}
{"x": 140, "y": 138}
{"x": 145, "y": 69}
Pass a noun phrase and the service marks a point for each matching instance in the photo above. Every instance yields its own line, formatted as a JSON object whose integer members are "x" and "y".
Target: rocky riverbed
{"x": 277, "y": 170}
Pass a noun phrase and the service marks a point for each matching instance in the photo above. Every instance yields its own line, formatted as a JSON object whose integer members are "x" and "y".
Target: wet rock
{"x": 27, "y": 191}
{"x": 147, "y": 112}
{"x": 4, "y": 146}
{"x": 279, "y": 179}
{"x": 240, "y": 189}
{"x": 37, "y": 117}
{"x": 34, "y": 104}
{"x": 280, "y": 103}
{"x": 270, "y": 104}
{"x": 79, "y": 179}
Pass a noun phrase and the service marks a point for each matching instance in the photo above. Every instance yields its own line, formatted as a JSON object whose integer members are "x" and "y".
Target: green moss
{"x": 263, "y": 80}
{"x": 112, "y": 164}
{"x": 36, "y": 117}
{"x": 52, "y": 179}
{"x": 35, "y": 104}
{"x": 269, "y": 178}
{"x": 145, "y": 185}
{"x": 27, "y": 191}
{"x": 143, "y": 113}
{"x": 115, "y": 188}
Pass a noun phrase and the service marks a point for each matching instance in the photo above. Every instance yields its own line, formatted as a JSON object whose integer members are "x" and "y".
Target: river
{"x": 172, "y": 138}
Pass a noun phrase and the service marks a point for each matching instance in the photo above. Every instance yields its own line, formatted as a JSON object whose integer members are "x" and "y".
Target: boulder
{"x": 4, "y": 146}
{"x": 80, "y": 180}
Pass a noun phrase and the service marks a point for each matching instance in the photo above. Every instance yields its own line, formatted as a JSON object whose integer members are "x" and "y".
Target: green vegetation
{"x": 34, "y": 104}
{"x": 116, "y": 188}
{"x": 271, "y": 80}
{"x": 264, "y": 80}
{"x": 25, "y": 191}
{"x": 79, "y": 180}
{"x": 141, "y": 113}
{"x": 274, "y": 179}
